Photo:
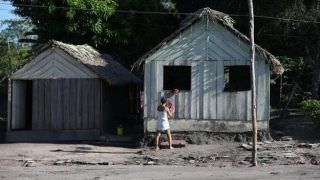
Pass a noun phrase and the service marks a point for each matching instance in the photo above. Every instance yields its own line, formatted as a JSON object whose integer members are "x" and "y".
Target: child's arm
{"x": 170, "y": 115}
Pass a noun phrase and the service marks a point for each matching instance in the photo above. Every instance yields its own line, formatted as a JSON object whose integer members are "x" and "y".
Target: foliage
{"x": 128, "y": 35}
{"x": 10, "y": 60}
{"x": 14, "y": 29}
{"x": 125, "y": 35}
{"x": 75, "y": 21}
{"x": 137, "y": 33}
{"x": 296, "y": 73}
{"x": 311, "y": 108}
{"x": 11, "y": 33}
{"x": 13, "y": 52}
{"x": 301, "y": 36}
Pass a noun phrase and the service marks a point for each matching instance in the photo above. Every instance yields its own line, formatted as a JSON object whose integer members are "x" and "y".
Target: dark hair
{"x": 163, "y": 100}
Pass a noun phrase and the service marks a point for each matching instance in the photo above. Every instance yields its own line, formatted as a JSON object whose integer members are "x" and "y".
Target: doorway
{"x": 21, "y": 105}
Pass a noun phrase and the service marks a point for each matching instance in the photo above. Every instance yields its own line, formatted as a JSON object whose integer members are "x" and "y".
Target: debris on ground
{"x": 29, "y": 163}
{"x": 230, "y": 154}
{"x": 175, "y": 144}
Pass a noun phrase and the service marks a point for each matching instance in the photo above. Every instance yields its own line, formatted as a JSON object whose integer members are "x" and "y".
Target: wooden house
{"x": 208, "y": 60}
{"x": 67, "y": 92}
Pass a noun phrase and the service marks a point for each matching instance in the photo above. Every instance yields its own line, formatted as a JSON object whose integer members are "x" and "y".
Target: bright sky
{"x": 6, "y": 10}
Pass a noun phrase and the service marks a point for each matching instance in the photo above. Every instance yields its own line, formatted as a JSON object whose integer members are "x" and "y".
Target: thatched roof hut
{"x": 227, "y": 22}
{"x": 208, "y": 60}
{"x": 101, "y": 64}
{"x": 68, "y": 92}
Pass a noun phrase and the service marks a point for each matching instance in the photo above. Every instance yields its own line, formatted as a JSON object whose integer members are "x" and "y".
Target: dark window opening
{"x": 176, "y": 77}
{"x": 237, "y": 78}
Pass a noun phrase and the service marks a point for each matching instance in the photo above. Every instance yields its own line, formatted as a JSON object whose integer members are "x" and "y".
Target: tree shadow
{"x": 89, "y": 150}
{"x": 295, "y": 125}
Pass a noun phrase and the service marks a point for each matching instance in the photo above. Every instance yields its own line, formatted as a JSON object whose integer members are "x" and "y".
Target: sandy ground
{"x": 48, "y": 153}
{"x": 159, "y": 172}
{"x": 295, "y": 155}
{"x": 222, "y": 160}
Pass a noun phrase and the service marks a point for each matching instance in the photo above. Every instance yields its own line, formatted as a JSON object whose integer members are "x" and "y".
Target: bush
{"x": 311, "y": 109}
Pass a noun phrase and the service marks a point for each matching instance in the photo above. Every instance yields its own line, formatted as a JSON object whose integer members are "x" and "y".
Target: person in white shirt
{"x": 164, "y": 114}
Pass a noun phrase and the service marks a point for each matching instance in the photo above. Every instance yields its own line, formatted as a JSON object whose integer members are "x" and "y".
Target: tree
{"x": 12, "y": 52}
{"x": 137, "y": 33}
{"x": 74, "y": 21}
{"x": 297, "y": 34}
{"x": 125, "y": 35}
{"x": 308, "y": 10}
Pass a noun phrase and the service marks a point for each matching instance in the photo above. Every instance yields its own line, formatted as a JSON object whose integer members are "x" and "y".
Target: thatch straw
{"x": 101, "y": 64}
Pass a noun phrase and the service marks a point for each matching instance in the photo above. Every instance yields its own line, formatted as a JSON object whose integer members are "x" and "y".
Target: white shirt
{"x": 162, "y": 121}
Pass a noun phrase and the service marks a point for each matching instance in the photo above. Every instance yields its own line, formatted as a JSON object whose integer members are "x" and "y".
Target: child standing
{"x": 164, "y": 114}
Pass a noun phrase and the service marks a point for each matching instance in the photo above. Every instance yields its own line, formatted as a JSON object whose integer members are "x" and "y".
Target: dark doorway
{"x": 21, "y": 109}
{"x": 28, "y": 105}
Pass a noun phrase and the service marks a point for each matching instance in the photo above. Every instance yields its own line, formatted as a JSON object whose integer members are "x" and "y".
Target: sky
{"x": 6, "y": 10}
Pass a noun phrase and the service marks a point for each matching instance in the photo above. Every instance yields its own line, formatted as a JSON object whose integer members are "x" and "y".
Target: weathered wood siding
{"x": 207, "y": 47}
{"x": 67, "y": 104}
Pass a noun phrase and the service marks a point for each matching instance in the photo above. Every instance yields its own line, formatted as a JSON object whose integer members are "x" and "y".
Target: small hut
{"x": 68, "y": 92}
{"x": 208, "y": 60}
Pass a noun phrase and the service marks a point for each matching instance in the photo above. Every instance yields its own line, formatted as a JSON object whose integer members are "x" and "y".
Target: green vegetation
{"x": 296, "y": 74}
{"x": 75, "y": 21}
{"x": 117, "y": 27}
{"x": 311, "y": 108}
{"x": 13, "y": 52}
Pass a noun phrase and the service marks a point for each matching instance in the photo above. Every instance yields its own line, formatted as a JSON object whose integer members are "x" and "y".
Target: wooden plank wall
{"x": 207, "y": 48}
{"x": 66, "y": 104}
{"x": 207, "y": 99}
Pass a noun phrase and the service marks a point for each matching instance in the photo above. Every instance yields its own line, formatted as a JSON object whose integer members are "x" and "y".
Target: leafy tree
{"x": 137, "y": 33}
{"x": 125, "y": 35}
{"x": 13, "y": 52}
{"x": 74, "y": 21}
{"x": 299, "y": 34}
{"x": 128, "y": 35}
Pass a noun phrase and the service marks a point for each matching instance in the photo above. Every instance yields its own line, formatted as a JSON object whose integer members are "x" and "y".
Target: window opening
{"x": 237, "y": 78}
{"x": 176, "y": 77}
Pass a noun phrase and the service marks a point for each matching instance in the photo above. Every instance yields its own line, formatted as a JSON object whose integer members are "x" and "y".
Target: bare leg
{"x": 169, "y": 138}
{"x": 157, "y": 140}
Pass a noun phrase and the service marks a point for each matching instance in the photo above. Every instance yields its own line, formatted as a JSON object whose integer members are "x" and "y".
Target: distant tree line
{"x": 287, "y": 28}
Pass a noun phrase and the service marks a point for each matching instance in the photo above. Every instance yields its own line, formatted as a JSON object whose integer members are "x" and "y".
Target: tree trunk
{"x": 253, "y": 86}
{"x": 315, "y": 82}
{"x": 314, "y": 61}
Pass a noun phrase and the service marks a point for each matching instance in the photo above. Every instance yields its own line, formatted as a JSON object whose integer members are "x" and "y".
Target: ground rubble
{"x": 217, "y": 154}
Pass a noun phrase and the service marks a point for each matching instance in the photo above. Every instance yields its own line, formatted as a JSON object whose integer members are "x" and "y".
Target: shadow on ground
{"x": 294, "y": 125}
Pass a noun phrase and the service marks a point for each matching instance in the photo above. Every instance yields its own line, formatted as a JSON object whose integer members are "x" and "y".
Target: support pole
{"x": 9, "y": 107}
{"x": 253, "y": 86}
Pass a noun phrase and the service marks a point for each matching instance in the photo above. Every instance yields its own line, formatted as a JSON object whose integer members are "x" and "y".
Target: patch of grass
{"x": 311, "y": 109}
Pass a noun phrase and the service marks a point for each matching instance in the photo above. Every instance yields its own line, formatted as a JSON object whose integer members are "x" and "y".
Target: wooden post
{"x": 253, "y": 86}
{"x": 9, "y": 112}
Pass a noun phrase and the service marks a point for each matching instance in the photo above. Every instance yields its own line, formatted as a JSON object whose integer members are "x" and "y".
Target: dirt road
{"x": 222, "y": 160}
{"x": 158, "y": 172}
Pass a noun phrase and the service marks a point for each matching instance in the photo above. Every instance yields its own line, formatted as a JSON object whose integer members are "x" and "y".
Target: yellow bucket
{"x": 120, "y": 131}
